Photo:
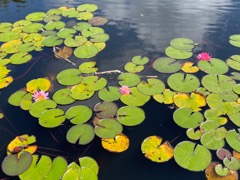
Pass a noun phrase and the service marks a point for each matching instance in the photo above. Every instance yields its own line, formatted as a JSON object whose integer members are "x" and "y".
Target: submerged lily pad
{"x": 79, "y": 114}
{"x": 86, "y": 51}
{"x": 183, "y": 82}
{"x": 155, "y": 151}
{"x": 166, "y": 65}
{"x": 191, "y": 156}
{"x": 83, "y": 133}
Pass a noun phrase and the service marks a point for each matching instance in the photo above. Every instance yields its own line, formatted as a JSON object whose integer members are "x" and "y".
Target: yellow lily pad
{"x": 189, "y": 68}
{"x": 4, "y": 82}
{"x": 38, "y": 84}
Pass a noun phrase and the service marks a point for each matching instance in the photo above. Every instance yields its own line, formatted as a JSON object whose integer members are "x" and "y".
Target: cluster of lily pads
{"x": 203, "y": 106}
{"x": 39, "y": 29}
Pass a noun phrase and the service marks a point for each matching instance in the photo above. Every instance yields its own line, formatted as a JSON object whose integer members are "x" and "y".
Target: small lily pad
{"x": 20, "y": 58}
{"x": 194, "y": 135}
{"x": 98, "y": 21}
{"x": 235, "y": 40}
{"x": 220, "y": 170}
{"x": 133, "y": 68}
{"x": 222, "y": 153}
{"x": 79, "y": 114}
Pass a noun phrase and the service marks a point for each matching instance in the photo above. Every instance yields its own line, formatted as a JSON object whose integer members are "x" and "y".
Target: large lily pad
{"x": 36, "y": 16}
{"x": 15, "y": 98}
{"x": 69, "y": 77}
{"x": 166, "y": 65}
{"x": 52, "y": 41}
{"x": 52, "y": 118}
{"x": 88, "y": 67}
{"x": 87, "y": 7}
{"x": 20, "y": 58}
{"x": 214, "y": 66}
{"x": 235, "y": 40}
{"x": 66, "y": 33}
{"x": 191, "y": 156}
{"x": 130, "y": 115}
{"x": 94, "y": 83}
{"x": 13, "y": 165}
{"x": 186, "y": 118}
{"x": 105, "y": 109}
{"x": 98, "y": 21}
{"x": 109, "y": 95}
{"x": 63, "y": 97}
{"x": 81, "y": 92}
{"x": 38, "y": 84}
{"x": 182, "y": 43}
{"x": 79, "y": 114}
{"x": 128, "y": 79}
{"x": 108, "y": 128}
{"x": 86, "y": 51}
{"x": 151, "y": 87}
{"x": 155, "y": 151}
{"x": 178, "y": 54}
{"x": 234, "y": 62}
{"x": 8, "y": 36}
{"x": 83, "y": 133}
{"x": 183, "y": 82}
{"x": 233, "y": 139}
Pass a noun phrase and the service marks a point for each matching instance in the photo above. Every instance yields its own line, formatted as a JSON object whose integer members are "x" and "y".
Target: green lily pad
{"x": 191, "y": 156}
{"x": 83, "y": 133}
{"x": 78, "y": 114}
{"x": 235, "y": 76}
{"x": 52, "y": 118}
{"x": 15, "y": 98}
{"x": 109, "y": 95}
{"x": 22, "y": 23}
{"x": 54, "y": 25}
{"x": 33, "y": 28}
{"x": 105, "y": 109}
{"x": 128, "y": 79}
{"x": 133, "y": 68}
{"x": 166, "y": 97}
{"x": 5, "y": 27}
{"x": 136, "y": 98}
{"x": 85, "y": 16}
{"x": 166, "y": 65}
{"x": 130, "y": 115}
{"x": 214, "y": 66}
{"x": 98, "y": 21}
{"x": 235, "y": 40}
{"x": 183, "y": 82}
{"x": 52, "y": 18}
{"x": 232, "y": 164}
{"x": 69, "y": 77}
{"x": 63, "y": 97}
{"x": 99, "y": 37}
{"x": 82, "y": 26}
{"x": 66, "y": 33}
{"x": 49, "y": 33}
{"x": 27, "y": 47}
{"x": 236, "y": 89}
{"x": 39, "y": 107}
{"x": 13, "y": 165}
{"x": 54, "y": 12}
{"x": 108, "y": 128}
{"x": 151, "y": 87}
{"x": 209, "y": 125}
{"x": 93, "y": 83}
{"x": 80, "y": 92}
{"x": 89, "y": 162}
{"x": 20, "y": 58}
{"x": 8, "y": 36}
{"x": 36, "y": 16}
{"x": 220, "y": 170}
{"x": 139, "y": 60}
{"x": 86, "y": 51}
{"x": 59, "y": 167}
{"x": 177, "y": 54}
{"x": 71, "y": 12}
{"x": 186, "y": 118}
{"x": 87, "y": 7}
{"x": 234, "y": 62}
{"x": 78, "y": 41}
{"x": 91, "y": 31}
{"x": 182, "y": 44}
{"x": 194, "y": 135}
{"x": 88, "y": 67}
{"x": 233, "y": 139}
{"x": 52, "y": 41}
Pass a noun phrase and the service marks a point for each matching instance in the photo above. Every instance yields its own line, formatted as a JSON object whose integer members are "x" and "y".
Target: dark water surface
{"x": 135, "y": 27}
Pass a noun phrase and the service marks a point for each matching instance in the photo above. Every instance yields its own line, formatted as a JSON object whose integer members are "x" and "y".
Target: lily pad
{"x": 194, "y": 135}
{"x": 183, "y": 82}
{"x": 52, "y": 41}
{"x": 77, "y": 41}
{"x": 108, "y": 128}
{"x": 177, "y": 54}
{"x": 52, "y": 118}
{"x": 234, "y": 62}
{"x": 33, "y": 28}
{"x": 166, "y": 97}
{"x": 130, "y": 115}
{"x": 36, "y": 16}
{"x": 82, "y": 26}
{"x": 52, "y": 18}
{"x": 233, "y": 139}
{"x": 105, "y": 109}
{"x": 99, "y": 37}
{"x": 98, "y": 21}
{"x": 214, "y": 66}
{"x": 70, "y": 13}
{"x": 38, "y": 84}
{"x": 133, "y": 68}
{"x": 188, "y": 67}
{"x": 69, "y": 77}
{"x": 186, "y": 118}
{"x": 80, "y": 92}
{"x": 88, "y": 162}
{"x": 66, "y": 33}
{"x": 151, "y": 87}
{"x": 109, "y": 95}
{"x": 220, "y": 170}
{"x": 20, "y": 58}
{"x": 54, "y": 25}
{"x": 8, "y": 36}
{"x": 182, "y": 43}
{"x": 166, "y": 65}
{"x": 86, "y": 51}
{"x": 222, "y": 153}
{"x": 13, "y": 165}
{"x": 117, "y": 144}
{"x": 235, "y": 40}
{"x": 63, "y": 97}
{"x": 88, "y": 67}
{"x": 87, "y": 7}
{"x": 139, "y": 60}
{"x": 191, "y": 156}
{"x": 91, "y": 31}
{"x": 84, "y": 16}
{"x": 83, "y": 133}
{"x": 155, "y": 151}
{"x": 128, "y": 79}
{"x": 94, "y": 83}
{"x": 5, "y": 27}
{"x": 232, "y": 163}
{"x": 15, "y": 98}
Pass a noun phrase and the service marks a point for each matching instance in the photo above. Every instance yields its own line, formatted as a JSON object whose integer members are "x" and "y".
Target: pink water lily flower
{"x": 124, "y": 90}
{"x": 204, "y": 56}
{"x": 40, "y": 95}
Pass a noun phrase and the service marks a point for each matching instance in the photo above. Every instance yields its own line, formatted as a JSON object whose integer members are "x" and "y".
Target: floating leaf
{"x": 36, "y": 16}
{"x": 20, "y": 58}
{"x": 186, "y": 118}
{"x": 189, "y": 68}
{"x": 64, "y": 52}
{"x": 98, "y": 21}
{"x": 82, "y": 26}
{"x": 52, "y": 18}
{"x": 87, "y": 7}
{"x": 183, "y": 82}
{"x": 88, "y": 162}
{"x": 79, "y": 114}
{"x": 86, "y": 51}
{"x": 155, "y": 151}
{"x": 133, "y": 68}
{"x": 234, "y": 62}
{"x": 235, "y": 40}
{"x": 13, "y": 165}
{"x": 177, "y": 54}
{"x": 108, "y": 128}
{"x": 91, "y": 31}
{"x": 166, "y": 65}
{"x": 80, "y": 92}
{"x": 117, "y": 144}
{"x": 63, "y": 97}
{"x": 93, "y": 83}
{"x": 99, "y": 37}
{"x": 151, "y": 87}
{"x": 88, "y": 67}
{"x": 15, "y": 98}
{"x": 71, "y": 12}
{"x": 33, "y": 28}
{"x": 232, "y": 164}
{"x": 220, "y": 170}
{"x": 11, "y": 46}
{"x": 233, "y": 139}
{"x": 4, "y": 82}
{"x": 128, "y": 79}
{"x": 214, "y": 66}
{"x": 5, "y": 27}
{"x": 8, "y": 36}
{"x": 54, "y": 25}
{"x": 166, "y": 97}
{"x": 83, "y": 133}
{"x": 59, "y": 167}
{"x": 38, "y": 84}
{"x": 69, "y": 77}
{"x": 77, "y": 41}
{"x": 105, "y": 109}
{"x": 191, "y": 156}
{"x": 136, "y": 98}
{"x": 182, "y": 43}
{"x": 109, "y": 95}
{"x": 52, "y": 41}
{"x": 52, "y": 118}
{"x": 194, "y": 135}
{"x": 222, "y": 153}
{"x": 22, "y": 22}
{"x": 130, "y": 115}
{"x": 66, "y": 33}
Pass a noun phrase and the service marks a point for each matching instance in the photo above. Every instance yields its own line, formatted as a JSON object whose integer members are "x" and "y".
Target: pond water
{"x": 135, "y": 27}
